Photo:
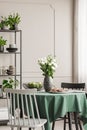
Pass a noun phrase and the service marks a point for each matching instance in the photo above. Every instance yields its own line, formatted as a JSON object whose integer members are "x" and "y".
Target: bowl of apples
{"x": 31, "y": 85}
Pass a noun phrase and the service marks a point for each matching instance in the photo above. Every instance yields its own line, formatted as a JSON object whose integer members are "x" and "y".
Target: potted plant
{"x": 10, "y": 83}
{"x": 13, "y": 21}
{"x": 4, "y": 23}
{"x": 48, "y": 66}
{"x": 2, "y": 43}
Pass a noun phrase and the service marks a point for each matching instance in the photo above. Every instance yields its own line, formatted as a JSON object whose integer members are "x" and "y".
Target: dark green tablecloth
{"x": 52, "y": 106}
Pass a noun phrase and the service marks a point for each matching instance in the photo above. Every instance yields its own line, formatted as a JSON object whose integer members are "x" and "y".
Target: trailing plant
{"x": 10, "y": 83}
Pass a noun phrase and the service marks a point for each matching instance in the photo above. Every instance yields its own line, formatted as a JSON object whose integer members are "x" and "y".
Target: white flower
{"x": 53, "y": 68}
{"x": 48, "y": 65}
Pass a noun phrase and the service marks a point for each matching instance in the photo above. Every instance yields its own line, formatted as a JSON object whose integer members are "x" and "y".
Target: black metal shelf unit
{"x": 15, "y": 54}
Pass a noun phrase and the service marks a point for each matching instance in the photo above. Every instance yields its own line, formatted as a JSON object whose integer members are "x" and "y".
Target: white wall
{"x": 37, "y": 24}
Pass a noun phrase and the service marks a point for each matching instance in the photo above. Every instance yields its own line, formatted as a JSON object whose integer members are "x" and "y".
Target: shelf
{"x": 16, "y": 54}
{"x": 10, "y": 75}
{"x": 7, "y": 30}
{"x": 9, "y": 52}
{"x": 17, "y": 73}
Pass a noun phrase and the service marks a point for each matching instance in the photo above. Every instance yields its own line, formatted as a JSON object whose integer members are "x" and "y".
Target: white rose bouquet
{"x": 48, "y": 65}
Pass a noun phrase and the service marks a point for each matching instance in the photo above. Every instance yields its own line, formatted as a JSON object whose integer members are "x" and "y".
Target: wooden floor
{"x": 58, "y": 126}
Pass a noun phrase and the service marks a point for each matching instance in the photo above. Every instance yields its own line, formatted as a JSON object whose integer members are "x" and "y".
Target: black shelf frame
{"x": 15, "y": 53}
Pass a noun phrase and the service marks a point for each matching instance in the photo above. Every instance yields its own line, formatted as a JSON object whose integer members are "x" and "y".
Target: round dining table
{"x": 54, "y": 105}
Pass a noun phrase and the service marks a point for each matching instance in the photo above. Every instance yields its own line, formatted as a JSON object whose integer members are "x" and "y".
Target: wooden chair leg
{"x": 65, "y": 122}
{"x": 69, "y": 121}
{"x": 80, "y": 126}
{"x": 76, "y": 120}
{"x": 53, "y": 125}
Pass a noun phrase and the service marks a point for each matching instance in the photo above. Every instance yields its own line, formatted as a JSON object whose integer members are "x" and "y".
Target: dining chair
{"x": 23, "y": 109}
{"x": 78, "y": 86}
{"x": 68, "y": 116}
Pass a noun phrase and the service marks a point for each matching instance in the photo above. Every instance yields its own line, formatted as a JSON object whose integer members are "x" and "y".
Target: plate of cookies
{"x": 57, "y": 90}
